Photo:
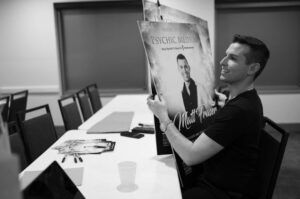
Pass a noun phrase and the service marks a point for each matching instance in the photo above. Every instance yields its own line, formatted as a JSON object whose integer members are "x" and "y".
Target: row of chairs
{"x": 12, "y": 104}
{"x": 34, "y": 131}
{"x": 89, "y": 103}
{"x": 31, "y": 136}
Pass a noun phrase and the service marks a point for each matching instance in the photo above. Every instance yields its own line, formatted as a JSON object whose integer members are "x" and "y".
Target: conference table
{"x": 156, "y": 175}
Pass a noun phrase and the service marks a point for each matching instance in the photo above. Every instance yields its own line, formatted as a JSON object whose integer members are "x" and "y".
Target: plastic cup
{"x": 127, "y": 173}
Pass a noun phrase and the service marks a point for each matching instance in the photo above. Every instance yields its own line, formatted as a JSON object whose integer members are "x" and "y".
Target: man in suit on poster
{"x": 189, "y": 91}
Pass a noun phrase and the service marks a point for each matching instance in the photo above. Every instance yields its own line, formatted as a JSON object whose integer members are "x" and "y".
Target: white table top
{"x": 135, "y": 103}
{"x": 156, "y": 176}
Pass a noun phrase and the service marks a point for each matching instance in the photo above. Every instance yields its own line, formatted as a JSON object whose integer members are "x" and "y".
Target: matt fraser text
{"x": 186, "y": 120}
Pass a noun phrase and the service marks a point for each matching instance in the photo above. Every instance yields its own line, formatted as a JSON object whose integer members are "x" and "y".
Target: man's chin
{"x": 223, "y": 79}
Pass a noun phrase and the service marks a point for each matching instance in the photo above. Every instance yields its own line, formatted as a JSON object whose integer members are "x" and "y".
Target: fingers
{"x": 217, "y": 92}
{"x": 159, "y": 100}
{"x": 149, "y": 102}
{"x": 150, "y": 97}
{"x": 153, "y": 97}
{"x": 156, "y": 98}
{"x": 220, "y": 95}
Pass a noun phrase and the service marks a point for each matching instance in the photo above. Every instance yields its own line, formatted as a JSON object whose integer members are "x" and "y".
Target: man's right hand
{"x": 220, "y": 98}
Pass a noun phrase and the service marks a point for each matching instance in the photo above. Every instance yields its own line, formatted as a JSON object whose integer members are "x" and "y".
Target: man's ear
{"x": 253, "y": 68}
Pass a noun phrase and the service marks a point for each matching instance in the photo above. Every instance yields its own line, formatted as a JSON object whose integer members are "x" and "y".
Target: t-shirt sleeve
{"x": 228, "y": 125}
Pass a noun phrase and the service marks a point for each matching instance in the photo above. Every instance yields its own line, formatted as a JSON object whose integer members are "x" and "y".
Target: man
{"x": 189, "y": 90}
{"x": 228, "y": 148}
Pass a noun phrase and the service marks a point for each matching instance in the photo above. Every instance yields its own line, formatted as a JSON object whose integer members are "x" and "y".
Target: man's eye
{"x": 232, "y": 58}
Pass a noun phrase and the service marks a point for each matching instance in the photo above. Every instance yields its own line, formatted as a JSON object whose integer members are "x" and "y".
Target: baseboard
{"x": 45, "y": 89}
{"x": 291, "y": 127}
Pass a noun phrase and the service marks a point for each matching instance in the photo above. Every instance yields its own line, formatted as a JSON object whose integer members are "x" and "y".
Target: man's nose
{"x": 223, "y": 61}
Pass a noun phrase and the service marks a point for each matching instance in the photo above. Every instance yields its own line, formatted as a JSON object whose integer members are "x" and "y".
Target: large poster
{"x": 179, "y": 74}
{"x": 178, "y": 48}
{"x": 202, "y": 71}
{"x": 178, "y": 67}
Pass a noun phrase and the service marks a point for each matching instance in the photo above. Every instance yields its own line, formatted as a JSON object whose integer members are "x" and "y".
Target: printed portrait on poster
{"x": 162, "y": 13}
{"x": 175, "y": 56}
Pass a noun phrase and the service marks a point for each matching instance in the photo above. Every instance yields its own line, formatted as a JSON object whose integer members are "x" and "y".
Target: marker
{"x": 75, "y": 160}
{"x": 145, "y": 125}
{"x": 80, "y": 159}
{"x": 64, "y": 158}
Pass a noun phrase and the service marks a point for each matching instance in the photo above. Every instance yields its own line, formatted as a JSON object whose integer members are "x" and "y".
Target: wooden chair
{"x": 70, "y": 112}
{"x": 84, "y": 103}
{"x": 37, "y": 130}
{"x": 17, "y": 144}
{"x": 4, "y": 103}
{"x": 94, "y": 97}
{"x": 272, "y": 147}
{"x": 18, "y": 102}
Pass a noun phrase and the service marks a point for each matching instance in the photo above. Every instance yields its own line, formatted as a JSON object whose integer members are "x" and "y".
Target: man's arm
{"x": 192, "y": 152}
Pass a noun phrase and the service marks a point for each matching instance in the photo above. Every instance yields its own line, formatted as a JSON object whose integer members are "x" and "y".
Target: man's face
{"x": 234, "y": 68}
{"x": 184, "y": 69}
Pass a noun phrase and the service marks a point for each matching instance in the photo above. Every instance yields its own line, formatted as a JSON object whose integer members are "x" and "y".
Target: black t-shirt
{"x": 237, "y": 128}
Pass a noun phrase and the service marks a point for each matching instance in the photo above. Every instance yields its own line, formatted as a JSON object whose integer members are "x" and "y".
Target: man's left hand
{"x": 158, "y": 107}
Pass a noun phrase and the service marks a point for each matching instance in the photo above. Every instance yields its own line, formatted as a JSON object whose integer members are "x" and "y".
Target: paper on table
{"x": 113, "y": 123}
{"x": 75, "y": 174}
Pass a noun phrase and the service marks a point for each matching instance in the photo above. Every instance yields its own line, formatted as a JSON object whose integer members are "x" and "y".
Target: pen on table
{"x": 145, "y": 125}
{"x": 75, "y": 160}
{"x": 95, "y": 146}
{"x": 79, "y": 158}
{"x": 64, "y": 158}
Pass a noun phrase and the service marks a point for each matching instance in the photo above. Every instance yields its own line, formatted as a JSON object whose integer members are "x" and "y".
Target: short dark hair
{"x": 180, "y": 56}
{"x": 259, "y": 52}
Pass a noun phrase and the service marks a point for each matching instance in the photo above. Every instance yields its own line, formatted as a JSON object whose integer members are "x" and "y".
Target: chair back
{"x": 18, "y": 102}
{"x": 38, "y": 130}
{"x": 84, "y": 103}
{"x": 17, "y": 144}
{"x": 273, "y": 142}
{"x": 4, "y": 102}
{"x": 70, "y": 112}
{"x": 94, "y": 97}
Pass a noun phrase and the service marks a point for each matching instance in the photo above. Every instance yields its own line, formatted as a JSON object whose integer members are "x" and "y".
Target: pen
{"x": 79, "y": 158}
{"x": 75, "y": 160}
{"x": 145, "y": 125}
{"x": 64, "y": 158}
{"x": 95, "y": 146}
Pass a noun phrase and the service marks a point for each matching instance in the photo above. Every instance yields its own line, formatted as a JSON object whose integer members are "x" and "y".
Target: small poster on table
{"x": 84, "y": 147}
